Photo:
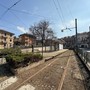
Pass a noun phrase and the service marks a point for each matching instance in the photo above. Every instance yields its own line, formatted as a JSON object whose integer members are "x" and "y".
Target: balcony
{"x": 2, "y": 42}
{"x": 10, "y": 37}
{"x": 3, "y": 36}
{"x": 26, "y": 41}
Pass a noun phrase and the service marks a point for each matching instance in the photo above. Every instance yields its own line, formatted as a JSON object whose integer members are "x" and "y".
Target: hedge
{"x": 16, "y": 58}
{"x": 7, "y": 51}
{"x": 22, "y": 59}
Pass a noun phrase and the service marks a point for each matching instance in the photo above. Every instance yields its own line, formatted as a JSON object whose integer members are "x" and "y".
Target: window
{"x": 4, "y": 39}
{"x": 5, "y": 34}
{"x": 10, "y": 40}
{"x": 4, "y": 45}
{"x": 10, "y": 45}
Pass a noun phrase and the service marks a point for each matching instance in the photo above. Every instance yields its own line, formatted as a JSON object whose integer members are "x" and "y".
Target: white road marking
{"x": 7, "y": 82}
{"x": 27, "y": 87}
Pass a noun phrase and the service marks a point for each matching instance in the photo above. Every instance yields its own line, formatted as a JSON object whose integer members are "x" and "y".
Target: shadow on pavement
{"x": 5, "y": 70}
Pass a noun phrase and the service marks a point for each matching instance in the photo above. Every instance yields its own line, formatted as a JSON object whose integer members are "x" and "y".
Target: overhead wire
{"x": 61, "y": 10}
{"x": 7, "y": 27}
{"x": 11, "y": 23}
{"x": 69, "y": 12}
{"x": 9, "y": 8}
{"x": 59, "y": 13}
{"x": 18, "y": 18}
{"x": 13, "y": 13}
{"x": 21, "y": 12}
{"x": 24, "y": 12}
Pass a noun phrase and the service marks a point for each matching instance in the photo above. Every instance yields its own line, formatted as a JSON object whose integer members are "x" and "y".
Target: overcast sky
{"x": 60, "y": 14}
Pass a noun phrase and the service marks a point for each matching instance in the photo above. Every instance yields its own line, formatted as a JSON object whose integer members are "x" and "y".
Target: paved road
{"x": 56, "y": 74}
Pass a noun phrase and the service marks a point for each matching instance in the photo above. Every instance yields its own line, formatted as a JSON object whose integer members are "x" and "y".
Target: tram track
{"x": 48, "y": 67}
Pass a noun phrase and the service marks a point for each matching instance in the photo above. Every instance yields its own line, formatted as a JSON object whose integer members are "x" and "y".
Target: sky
{"x": 60, "y": 14}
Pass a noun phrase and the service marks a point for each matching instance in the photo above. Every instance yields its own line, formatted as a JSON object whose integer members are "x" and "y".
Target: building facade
{"x": 82, "y": 39}
{"x": 6, "y": 39}
{"x": 27, "y": 39}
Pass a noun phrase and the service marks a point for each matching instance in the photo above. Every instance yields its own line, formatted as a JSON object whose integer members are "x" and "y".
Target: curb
{"x": 55, "y": 56}
{"x": 20, "y": 70}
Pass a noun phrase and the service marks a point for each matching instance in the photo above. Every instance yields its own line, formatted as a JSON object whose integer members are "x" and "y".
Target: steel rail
{"x": 34, "y": 74}
{"x": 64, "y": 74}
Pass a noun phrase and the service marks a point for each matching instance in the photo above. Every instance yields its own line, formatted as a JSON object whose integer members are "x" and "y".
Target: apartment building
{"x": 6, "y": 39}
{"x": 27, "y": 39}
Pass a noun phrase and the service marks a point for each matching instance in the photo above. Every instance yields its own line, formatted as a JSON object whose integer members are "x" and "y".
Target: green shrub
{"x": 8, "y": 51}
{"x": 37, "y": 57}
{"x": 15, "y": 60}
{"x": 22, "y": 59}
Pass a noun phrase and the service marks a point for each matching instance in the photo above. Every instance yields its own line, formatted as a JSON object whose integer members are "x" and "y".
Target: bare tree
{"x": 42, "y": 30}
{"x": 49, "y": 34}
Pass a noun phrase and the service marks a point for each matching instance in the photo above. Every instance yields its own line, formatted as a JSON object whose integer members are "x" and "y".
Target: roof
{"x": 29, "y": 35}
{"x": 61, "y": 41}
{"x": 1, "y": 30}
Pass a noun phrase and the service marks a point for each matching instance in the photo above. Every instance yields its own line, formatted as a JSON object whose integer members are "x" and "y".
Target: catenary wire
{"x": 9, "y": 8}
{"x": 59, "y": 13}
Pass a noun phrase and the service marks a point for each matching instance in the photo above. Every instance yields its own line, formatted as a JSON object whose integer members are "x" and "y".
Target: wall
{"x": 60, "y": 46}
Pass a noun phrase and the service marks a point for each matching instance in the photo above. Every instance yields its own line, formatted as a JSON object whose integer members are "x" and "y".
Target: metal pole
{"x": 89, "y": 36}
{"x": 76, "y": 31}
{"x": 42, "y": 41}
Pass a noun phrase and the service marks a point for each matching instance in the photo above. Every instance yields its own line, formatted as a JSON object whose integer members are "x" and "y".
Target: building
{"x": 52, "y": 45}
{"x": 69, "y": 42}
{"x": 16, "y": 41}
{"x": 89, "y": 39}
{"x": 6, "y": 39}
{"x": 82, "y": 39}
{"x": 61, "y": 43}
{"x": 27, "y": 40}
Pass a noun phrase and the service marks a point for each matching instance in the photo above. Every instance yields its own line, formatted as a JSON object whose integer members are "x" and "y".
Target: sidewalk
{"x": 47, "y": 55}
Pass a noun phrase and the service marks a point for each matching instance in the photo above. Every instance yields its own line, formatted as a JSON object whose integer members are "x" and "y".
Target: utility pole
{"x": 89, "y": 37}
{"x": 42, "y": 41}
{"x": 76, "y": 31}
{"x": 76, "y": 41}
{"x": 43, "y": 38}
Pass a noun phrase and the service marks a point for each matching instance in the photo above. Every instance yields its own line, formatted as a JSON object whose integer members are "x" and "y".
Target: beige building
{"x": 6, "y": 39}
